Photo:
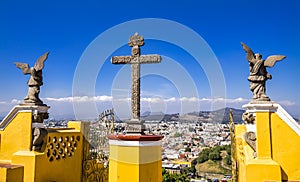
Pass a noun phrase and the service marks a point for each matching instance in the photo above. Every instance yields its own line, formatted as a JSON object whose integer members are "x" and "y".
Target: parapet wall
{"x": 60, "y": 158}
{"x": 275, "y": 156}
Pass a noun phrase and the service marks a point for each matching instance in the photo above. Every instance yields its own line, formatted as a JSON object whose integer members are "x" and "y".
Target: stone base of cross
{"x": 135, "y": 126}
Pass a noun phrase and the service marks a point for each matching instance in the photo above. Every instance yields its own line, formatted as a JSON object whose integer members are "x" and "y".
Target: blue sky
{"x": 68, "y": 29}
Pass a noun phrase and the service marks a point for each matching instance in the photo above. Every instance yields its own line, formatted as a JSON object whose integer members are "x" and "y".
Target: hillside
{"x": 218, "y": 116}
{"x": 211, "y": 167}
{"x": 159, "y": 116}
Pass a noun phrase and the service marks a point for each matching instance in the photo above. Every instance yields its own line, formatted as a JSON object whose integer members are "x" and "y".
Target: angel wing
{"x": 39, "y": 64}
{"x": 271, "y": 60}
{"x": 250, "y": 54}
{"x": 24, "y": 67}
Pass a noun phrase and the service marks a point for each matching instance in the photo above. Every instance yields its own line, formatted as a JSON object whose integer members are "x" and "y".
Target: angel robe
{"x": 257, "y": 78}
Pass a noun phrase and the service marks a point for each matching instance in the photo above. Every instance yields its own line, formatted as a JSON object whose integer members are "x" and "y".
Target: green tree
{"x": 228, "y": 149}
{"x": 203, "y": 155}
{"x": 188, "y": 149}
{"x": 214, "y": 156}
{"x": 228, "y": 160}
{"x": 217, "y": 149}
{"x": 188, "y": 170}
{"x": 177, "y": 134}
{"x": 167, "y": 177}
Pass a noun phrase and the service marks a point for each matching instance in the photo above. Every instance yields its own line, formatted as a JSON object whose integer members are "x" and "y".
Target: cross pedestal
{"x": 135, "y": 158}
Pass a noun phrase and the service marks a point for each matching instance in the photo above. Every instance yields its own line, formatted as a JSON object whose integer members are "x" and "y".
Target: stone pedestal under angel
{"x": 35, "y": 80}
{"x": 258, "y": 72}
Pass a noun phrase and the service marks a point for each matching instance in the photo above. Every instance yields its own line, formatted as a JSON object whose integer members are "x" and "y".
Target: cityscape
{"x": 185, "y": 136}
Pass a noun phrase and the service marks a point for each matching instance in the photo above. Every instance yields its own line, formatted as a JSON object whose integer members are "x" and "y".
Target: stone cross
{"x": 135, "y": 60}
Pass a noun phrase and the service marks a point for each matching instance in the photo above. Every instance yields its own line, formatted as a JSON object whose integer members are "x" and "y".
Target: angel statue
{"x": 35, "y": 80}
{"x": 258, "y": 72}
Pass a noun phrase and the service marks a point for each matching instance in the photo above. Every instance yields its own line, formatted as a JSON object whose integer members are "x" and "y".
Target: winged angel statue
{"x": 35, "y": 80}
{"x": 258, "y": 72}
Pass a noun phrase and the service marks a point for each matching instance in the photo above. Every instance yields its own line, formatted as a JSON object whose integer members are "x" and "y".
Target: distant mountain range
{"x": 218, "y": 116}
{"x": 222, "y": 115}
{"x": 159, "y": 116}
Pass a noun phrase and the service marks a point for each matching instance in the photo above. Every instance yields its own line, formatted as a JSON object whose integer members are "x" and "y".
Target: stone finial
{"x": 136, "y": 40}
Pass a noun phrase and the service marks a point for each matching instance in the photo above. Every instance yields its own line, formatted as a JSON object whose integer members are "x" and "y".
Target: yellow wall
{"x": 263, "y": 128}
{"x": 63, "y": 167}
{"x": 16, "y": 136}
{"x": 60, "y": 161}
{"x": 189, "y": 164}
{"x": 11, "y": 173}
{"x": 285, "y": 148}
{"x": 243, "y": 151}
{"x": 135, "y": 163}
{"x": 277, "y": 146}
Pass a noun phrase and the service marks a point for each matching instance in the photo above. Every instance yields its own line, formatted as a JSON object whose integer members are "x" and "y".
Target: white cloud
{"x": 102, "y": 98}
{"x": 189, "y": 99}
{"x": 65, "y": 105}
{"x": 152, "y": 100}
{"x": 172, "y": 99}
{"x": 237, "y": 100}
{"x": 15, "y": 101}
{"x": 106, "y": 98}
{"x": 63, "y": 99}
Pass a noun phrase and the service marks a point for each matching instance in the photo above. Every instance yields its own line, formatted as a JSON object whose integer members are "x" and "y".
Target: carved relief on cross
{"x": 135, "y": 60}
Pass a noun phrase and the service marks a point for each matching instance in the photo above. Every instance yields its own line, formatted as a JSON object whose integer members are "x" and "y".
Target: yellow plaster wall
{"x": 285, "y": 148}
{"x": 16, "y": 136}
{"x": 257, "y": 169}
{"x": 135, "y": 163}
{"x": 37, "y": 165}
{"x": 243, "y": 151}
{"x": 63, "y": 169}
{"x": 124, "y": 172}
{"x": 15, "y": 148}
{"x": 11, "y": 174}
{"x": 263, "y": 135}
{"x": 278, "y": 147}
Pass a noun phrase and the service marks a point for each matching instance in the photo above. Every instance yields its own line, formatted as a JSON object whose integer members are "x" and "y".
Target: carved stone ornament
{"x": 234, "y": 164}
{"x": 250, "y": 138}
{"x": 39, "y": 133}
{"x": 249, "y": 118}
{"x": 38, "y": 136}
{"x": 94, "y": 171}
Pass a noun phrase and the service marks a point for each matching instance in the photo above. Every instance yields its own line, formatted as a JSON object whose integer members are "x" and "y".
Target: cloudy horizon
{"x": 62, "y": 107}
